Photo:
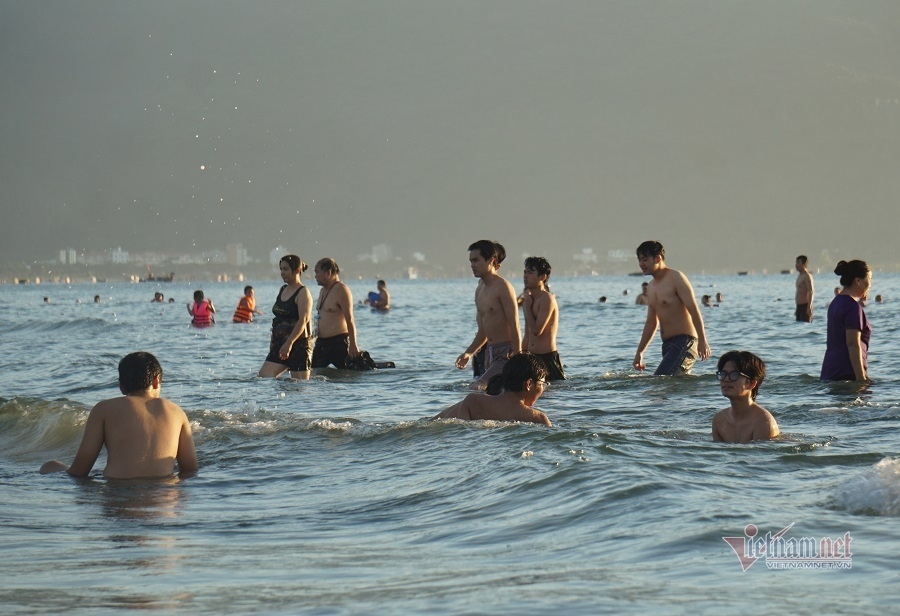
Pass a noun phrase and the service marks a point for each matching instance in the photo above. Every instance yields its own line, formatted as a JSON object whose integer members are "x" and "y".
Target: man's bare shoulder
{"x": 763, "y": 418}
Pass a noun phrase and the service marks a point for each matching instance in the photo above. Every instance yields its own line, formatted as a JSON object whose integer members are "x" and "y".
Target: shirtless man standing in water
{"x": 144, "y": 434}
{"x": 804, "y": 295}
{"x": 673, "y": 308}
{"x": 541, "y": 315}
{"x": 336, "y": 341}
{"x": 497, "y": 314}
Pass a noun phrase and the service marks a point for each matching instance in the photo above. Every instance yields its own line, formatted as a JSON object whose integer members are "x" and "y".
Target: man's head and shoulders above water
{"x": 740, "y": 374}
{"x": 524, "y": 378}
{"x": 145, "y": 435}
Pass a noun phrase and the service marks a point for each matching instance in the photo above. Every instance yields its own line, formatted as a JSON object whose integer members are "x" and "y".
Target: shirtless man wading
{"x": 804, "y": 295}
{"x": 497, "y": 314}
{"x": 336, "y": 341}
{"x": 673, "y": 308}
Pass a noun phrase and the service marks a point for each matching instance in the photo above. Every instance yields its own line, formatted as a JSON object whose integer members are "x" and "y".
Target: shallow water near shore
{"x": 338, "y": 496}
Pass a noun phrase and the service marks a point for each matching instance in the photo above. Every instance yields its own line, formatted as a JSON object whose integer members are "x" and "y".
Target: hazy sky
{"x": 739, "y": 134}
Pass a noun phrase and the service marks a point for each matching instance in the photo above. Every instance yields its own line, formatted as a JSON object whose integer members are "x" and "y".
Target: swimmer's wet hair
{"x": 538, "y": 264}
{"x": 651, "y": 248}
{"x": 851, "y": 270}
{"x": 520, "y": 368}
{"x": 137, "y": 371}
{"x": 802, "y": 259}
{"x": 198, "y": 295}
{"x": 328, "y": 265}
{"x": 748, "y": 364}
{"x": 294, "y": 262}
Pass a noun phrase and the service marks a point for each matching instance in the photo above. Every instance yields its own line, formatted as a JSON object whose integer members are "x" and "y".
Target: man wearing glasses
{"x": 672, "y": 308}
{"x": 740, "y": 374}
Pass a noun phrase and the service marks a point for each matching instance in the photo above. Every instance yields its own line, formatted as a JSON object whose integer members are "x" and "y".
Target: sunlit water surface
{"x": 338, "y": 496}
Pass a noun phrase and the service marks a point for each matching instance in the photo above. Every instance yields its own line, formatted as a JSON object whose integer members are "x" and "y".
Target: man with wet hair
{"x": 740, "y": 373}
{"x": 497, "y": 314}
{"x": 673, "y": 309}
{"x": 541, "y": 315}
{"x": 334, "y": 325}
{"x": 804, "y": 293}
{"x": 524, "y": 379}
{"x": 145, "y": 435}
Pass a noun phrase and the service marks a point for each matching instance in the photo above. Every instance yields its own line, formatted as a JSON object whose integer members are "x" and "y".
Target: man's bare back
{"x": 144, "y": 437}
{"x": 144, "y": 434}
{"x": 505, "y": 407}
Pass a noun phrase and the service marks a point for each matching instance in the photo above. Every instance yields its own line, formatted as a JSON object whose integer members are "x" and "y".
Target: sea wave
{"x": 32, "y": 429}
{"x": 875, "y": 491}
{"x": 87, "y": 324}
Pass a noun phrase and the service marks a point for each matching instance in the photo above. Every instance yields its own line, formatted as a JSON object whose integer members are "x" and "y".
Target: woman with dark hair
{"x": 289, "y": 347}
{"x": 848, "y": 327}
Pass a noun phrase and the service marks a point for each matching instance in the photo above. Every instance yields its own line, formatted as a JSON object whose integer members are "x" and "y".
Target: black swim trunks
{"x": 300, "y": 359}
{"x": 803, "y": 313}
{"x": 679, "y": 355}
{"x": 334, "y": 350}
{"x": 554, "y": 366}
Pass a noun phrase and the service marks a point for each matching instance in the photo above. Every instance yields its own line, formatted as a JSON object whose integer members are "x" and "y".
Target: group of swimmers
{"x": 513, "y": 370}
{"x": 671, "y": 308}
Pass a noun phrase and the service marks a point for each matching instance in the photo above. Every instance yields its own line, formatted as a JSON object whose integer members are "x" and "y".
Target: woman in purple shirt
{"x": 848, "y": 327}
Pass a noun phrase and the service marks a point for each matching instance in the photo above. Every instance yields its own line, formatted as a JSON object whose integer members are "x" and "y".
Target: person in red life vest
{"x": 202, "y": 310}
{"x": 246, "y": 307}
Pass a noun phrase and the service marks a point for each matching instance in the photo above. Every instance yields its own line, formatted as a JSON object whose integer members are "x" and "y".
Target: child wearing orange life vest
{"x": 202, "y": 310}
{"x": 246, "y": 307}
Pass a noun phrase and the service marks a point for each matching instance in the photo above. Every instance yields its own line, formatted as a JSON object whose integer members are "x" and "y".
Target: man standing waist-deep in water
{"x": 335, "y": 327}
{"x": 541, "y": 315}
{"x": 497, "y": 313}
{"x": 804, "y": 295}
{"x": 672, "y": 308}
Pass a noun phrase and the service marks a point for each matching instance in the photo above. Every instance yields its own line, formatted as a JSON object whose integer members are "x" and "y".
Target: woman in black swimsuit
{"x": 290, "y": 348}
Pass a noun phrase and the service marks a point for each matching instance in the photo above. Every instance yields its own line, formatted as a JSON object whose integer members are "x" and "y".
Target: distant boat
{"x": 636, "y": 274}
{"x": 742, "y": 273}
{"x": 151, "y": 278}
{"x": 785, "y": 271}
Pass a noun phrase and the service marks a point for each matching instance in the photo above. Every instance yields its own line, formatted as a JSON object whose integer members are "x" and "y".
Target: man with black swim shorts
{"x": 541, "y": 315}
{"x": 673, "y": 309}
{"x": 335, "y": 327}
{"x": 804, "y": 295}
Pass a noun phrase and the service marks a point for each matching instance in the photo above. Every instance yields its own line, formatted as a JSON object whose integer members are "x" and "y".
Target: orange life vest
{"x": 244, "y": 311}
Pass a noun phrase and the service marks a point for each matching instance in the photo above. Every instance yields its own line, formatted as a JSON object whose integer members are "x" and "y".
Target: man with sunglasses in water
{"x": 740, "y": 374}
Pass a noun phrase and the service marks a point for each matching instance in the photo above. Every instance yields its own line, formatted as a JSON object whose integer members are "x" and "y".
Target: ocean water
{"x": 338, "y": 496}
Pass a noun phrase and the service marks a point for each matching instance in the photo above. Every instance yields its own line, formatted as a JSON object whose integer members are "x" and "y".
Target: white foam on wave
{"x": 875, "y": 491}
